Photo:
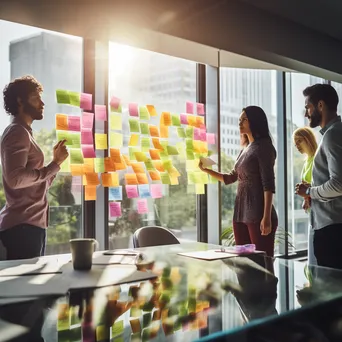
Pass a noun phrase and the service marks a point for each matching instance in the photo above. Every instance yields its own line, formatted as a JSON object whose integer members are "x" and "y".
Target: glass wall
{"x": 138, "y": 78}
{"x": 56, "y": 61}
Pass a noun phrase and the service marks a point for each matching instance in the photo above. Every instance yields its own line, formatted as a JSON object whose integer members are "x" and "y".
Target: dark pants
{"x": 24, "y": 241}
{"x": 246, "y": 233}
{"x": 327, "y": 246}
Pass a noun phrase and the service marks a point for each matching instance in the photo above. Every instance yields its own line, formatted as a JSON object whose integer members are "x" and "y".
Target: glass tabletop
{"x": 189, "y": 299}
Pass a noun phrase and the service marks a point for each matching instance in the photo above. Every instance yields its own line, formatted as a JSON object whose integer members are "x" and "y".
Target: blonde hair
{"x": 308, "y": 136}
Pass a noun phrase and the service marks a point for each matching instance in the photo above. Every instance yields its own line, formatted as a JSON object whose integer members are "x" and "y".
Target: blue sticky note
{"x": 144, "y": 190}
{"x": 115, "y": 193}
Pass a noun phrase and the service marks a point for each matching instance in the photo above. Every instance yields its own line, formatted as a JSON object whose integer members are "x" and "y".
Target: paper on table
{"x": 30, "y": 269}
{"x": 212, "y": 254}
{"x": 206, "y": 162}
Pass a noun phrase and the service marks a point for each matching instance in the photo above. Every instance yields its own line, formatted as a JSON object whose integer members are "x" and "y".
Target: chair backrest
{"x": 153, "y": 236}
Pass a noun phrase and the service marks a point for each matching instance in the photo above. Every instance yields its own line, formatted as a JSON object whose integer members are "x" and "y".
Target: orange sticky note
{"x": 156, "y": 144}
{"x": 134, "y": 140}
{"x": 120, "y": 166}
{"x": 62, "y": 122}
{"x": 142, "y": 178}
{"x": 192, "y": 120}
{"x": 138, "y": 167}
{"x": 165, "y": 119}
{"x": 77, "y": 170}
{"x": 90, "y": 192}
{"x": 109, "y": 164}
{"x": 200, "y": 121}
{"x": 158, "y": 164}
{"x": 154, "y": 175}
{"x": 92, "y": 179}
{"x": 131, "y": 179}
{"x": 155, "y": 154}
{"x": 109, "y": 179}
{"x": 154, "y": 132}
{"x": 115, "y": 154}
{"x": 126, "y": 159}
{"x": 151, "y": 110}
{"x": 88, "y": 165}
{"x": 164, "y": 131}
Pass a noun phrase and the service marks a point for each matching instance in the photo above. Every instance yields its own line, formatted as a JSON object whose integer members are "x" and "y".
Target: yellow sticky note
{"x": 173, "y": 172}
{"x": 192, "y": 120}
{"x": 99, "y": 165}
{"x": 77, "y": 170}
{"x": 164, "y": 131}
{"x": 131, "y": 179}
{"x": 134, "y": 140}
{"x": 92, "y": 179}
{"x": 140, "y": 156}
{"x": 167, "y": 164}
{"x": 165, "y": 119}
{"x": 151, "y": 109}
{"x": 115, "y": 121}
{"x": 88, "y": 165}
{"x": 90, "y": 192}
{"x": 62, "y": 122}
{"x": 126, "y": 160}
{"x": 116, "y": 140}
{"x": 101, "y": 141}
{"x": 174, "y": 180}
{"x": 200, "y": 190}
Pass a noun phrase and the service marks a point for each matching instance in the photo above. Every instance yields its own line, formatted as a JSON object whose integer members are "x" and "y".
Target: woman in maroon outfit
{"x": 255, "y": 219}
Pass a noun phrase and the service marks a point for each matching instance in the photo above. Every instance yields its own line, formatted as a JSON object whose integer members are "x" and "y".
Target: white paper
{"x": 9, "y": 331}
{"x": 214, "y": 254}
{"x": 30, "y": 269}
{"x": 206, "y": 162}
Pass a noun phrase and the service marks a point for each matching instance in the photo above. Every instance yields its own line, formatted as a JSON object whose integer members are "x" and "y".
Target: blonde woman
{"x": 305, "y": 142}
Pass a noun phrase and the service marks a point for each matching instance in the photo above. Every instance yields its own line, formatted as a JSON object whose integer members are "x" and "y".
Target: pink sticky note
{"x": 132, "y": 191}
{"x": 87, "y": 137}
{"x": 203, "y": 135}
{"x": 156, "y": 190}
{"x": 133, "y": 109}
{"x": 74, "y": 123}
{"x": 115, "y": 102}
{"x": 88, "y": 151}
{"x": 76, "y": 184}
{"x": 189, "y": 107}
{"x": 142, "y": 206}
{"x": 211, "y": 138}
{"x": 200, "y": 109}
{"x": 115, "y": 209}
{"x": 184, "y": 119}
{"x": 197, "y": 134}
{"x": 87, "y": 120}
{"x": 86, "y": 102}
{"x": 100, "y": 112}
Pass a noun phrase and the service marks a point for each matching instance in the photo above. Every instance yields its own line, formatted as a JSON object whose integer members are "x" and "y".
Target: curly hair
{"x": 19, "y": 88}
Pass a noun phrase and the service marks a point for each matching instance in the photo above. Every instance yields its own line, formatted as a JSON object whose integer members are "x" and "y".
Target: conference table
{"x": 164, "y": 297}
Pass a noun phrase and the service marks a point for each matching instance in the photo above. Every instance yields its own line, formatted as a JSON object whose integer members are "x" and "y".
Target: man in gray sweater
{"x": 325, "y": 192}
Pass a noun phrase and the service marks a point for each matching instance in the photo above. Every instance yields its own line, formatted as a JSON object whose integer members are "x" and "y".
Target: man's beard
{"x": 35, "y": 113}
{"x": 315, "y": 118}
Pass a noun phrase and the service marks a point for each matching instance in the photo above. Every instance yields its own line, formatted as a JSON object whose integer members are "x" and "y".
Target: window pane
{"x": 143, "y": 77}
{"x": 338, "y": 87}
{"x": 56, "y": 61}
{"x": 298, "y": 220}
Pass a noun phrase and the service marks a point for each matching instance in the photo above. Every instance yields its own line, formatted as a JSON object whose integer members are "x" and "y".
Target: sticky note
{"x": 90, "y": 192}
{"x": 200, "y": 122}
{"x": 115, "y": 121}
{"x": 165, "y": 178}
{"x": 192, "y": 120}
{"x": 154, "y": 154}
{"x": 65, "y": 166}
{"x": 172, "y": 150}
{"x": 165, "y": 119}
{"x": 74, "y": 123}
{"x": 151, "y": 109}
{"x": 144, "y": 128}
{"x": 76, "y": 156}
{"x": 77, "y": 170}
{"x": 133, "y": 109}
{"x": 189, "y": 107}
{"x": 144, "y": 113}
{"x": 115, "y": 104}
{"x": 88, "y": 165}
{"x": 62, "y": 96}
{"x": 134, "y": 126}
{"x": 174, "y": 180}
{"x": 154, "y": 175}
{"x": 131, "y": 179}
{"x": 156, "y": 190}
{"x": 211, "y": 138}
{"x": 149, "y": 164}
{"x": 181, "y": 132}
{"x": 109, "y": 179}
{"x": 142, "y": 206}
{"x": 199, "y": 188}
{"x": 75, "y": 138}
{"x": 145, "y": 144}
{"x": 212, "y": 180}
{"x": 167, "y": 164}
{"x": 87, "y": 137}
{"x": 117, "y": 328}
{"x": 197, "y": 134}
{"x": 144, "y": 191}
{"x": 116, "y": 139}
{"x": 203, "y": 135}
{"x": 92, "y": 179}
{"x": 126, "y": 160}
{"x": 99, "y": 165}
{"x": 86, "y": 101}
{"x": 115, "y": 154}
{"x": 200, "y": 109}
{"x": 184, "y": 119}
{"x": 176, "y": 120}
{"x": 115, "y": 193}
{"x": 133, "y": 140}
{"x": 88, "y": 151}
{"x": 132, "y": 191}
{"x": 190, "y": 155}
{"x": 158, "y": 165}
{"x": 140, "y": 156}
{"x": 100, "y": 112}
{"x": 75, "y": 98}
{"x": 164, "y": 131}
{"x": 142, "y": 178}
{"x": 156, "y": 143}
{"x": 138, "y": 167}
{"x": 62, "y": 122}
{"x": 101, "y": 141}
{"x": 109, "y": 164}
{"x": 189, "y": 132}
{"x": 120, "y": 166}
{"x": 87, "y": 120}
{"x": 114, "y": 211}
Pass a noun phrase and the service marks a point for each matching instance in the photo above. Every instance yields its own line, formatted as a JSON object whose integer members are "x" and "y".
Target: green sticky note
{"x": 190, "y": 155}
{"x": 189, "y": 143}
{"x": 144, "y": 128}
{"x": 145, "y": 144}
{"x": 175, "y": 120}
{"x": 164, "y": 143}
{"x": 144, "y": 113}
{"x": 117, "y": 328}
{"x": 181, "y": 132}
{"x": 167, "y": 164}
{"x": 165, "y": 178}
{"x": 189, "y": 132}
{"x": 149, "y": 165}
{"x": 132, "y": 151}
{"x": 75, "y": 138}
{"x": 75, "y": 98}
{"x": 76, "y": 156}
{"x": 116, "y": 140}
{"x": 134, "y": 126}
{"x": 203, "y": 178}
{"x": 62, "y": 96}
{"x": 115, "y": 121}
{"x": 64, "y": 135}
{"x": 65, "y": 166}
{"x": 191, "y": 177}
{"x": 164, "y": 155}
{"x": 99, "y": 165}
{"x": 172, "y": 150}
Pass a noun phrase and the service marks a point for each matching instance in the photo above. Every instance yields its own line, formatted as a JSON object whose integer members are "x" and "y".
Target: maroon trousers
{"x": 246, "y": 233}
